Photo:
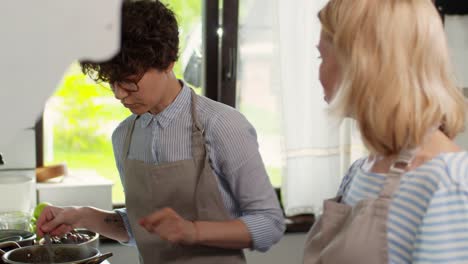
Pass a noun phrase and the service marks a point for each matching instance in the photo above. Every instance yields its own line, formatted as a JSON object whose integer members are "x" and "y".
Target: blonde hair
{"x": 396, "y": 78}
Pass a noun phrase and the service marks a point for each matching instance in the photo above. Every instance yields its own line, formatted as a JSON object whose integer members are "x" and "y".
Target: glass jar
{"x": 16, "y": 203}
{"x": 15, "y": 220}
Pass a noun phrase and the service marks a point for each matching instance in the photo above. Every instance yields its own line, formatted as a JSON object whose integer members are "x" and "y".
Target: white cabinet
{"x": 78, "y": 188}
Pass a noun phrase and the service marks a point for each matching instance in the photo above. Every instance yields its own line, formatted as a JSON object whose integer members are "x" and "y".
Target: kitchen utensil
{"x": 17, "y": 220}
{"x": 27, "y": 238}
{"x": 11, "y": 238}
{"x": 46, "y": 173}
{"x": 50, "y": 254}
{"x": 16, "y": 192}
{"x": 64, "y": 254}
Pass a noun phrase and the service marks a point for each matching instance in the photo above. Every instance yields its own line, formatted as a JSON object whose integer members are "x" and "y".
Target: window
{"x": 252, "y": 87}
{"x": 258, "y": 83}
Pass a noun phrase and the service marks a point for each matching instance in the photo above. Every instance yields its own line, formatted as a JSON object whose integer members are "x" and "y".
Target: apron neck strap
{"x": 196, "y": 126}
{"x": 198, "y": 133}
{"x": 128, "y": 138}
{"x": 396, "y": 171}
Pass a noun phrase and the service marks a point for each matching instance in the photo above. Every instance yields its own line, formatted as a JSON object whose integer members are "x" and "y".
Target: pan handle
{"x": 8, "y": 244}
{"x": 11, "y": 238}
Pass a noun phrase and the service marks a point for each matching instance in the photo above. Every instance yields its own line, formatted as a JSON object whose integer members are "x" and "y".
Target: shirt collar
{"x": 167, "y": 115}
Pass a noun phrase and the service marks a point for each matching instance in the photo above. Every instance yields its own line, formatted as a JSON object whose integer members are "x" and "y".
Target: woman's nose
{"x": 120, "y": 93}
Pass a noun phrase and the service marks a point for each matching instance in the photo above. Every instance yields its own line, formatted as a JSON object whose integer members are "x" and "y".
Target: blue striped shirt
{"x": 233, "y": 153}
{"x": 428, "y": 217}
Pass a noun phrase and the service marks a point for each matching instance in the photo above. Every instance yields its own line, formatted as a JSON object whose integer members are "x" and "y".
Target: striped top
{"x": 234, "y": 157}
{"x": 428, "y": 217}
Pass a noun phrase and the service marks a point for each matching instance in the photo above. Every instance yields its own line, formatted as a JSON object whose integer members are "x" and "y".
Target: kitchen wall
{"x": 20, "y": 153}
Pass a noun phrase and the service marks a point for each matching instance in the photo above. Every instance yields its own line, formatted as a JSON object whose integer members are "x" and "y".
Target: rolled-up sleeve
{"x": 266, "y": 230}
{"x": 118, "y": 138}
{"x": 123, "y": 213}
{"x": 237, "y": 158}
{"x": 259, "y": 204}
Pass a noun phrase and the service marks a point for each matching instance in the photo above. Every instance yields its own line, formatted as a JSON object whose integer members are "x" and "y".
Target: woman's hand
{"x": 57, "y": 221}
{"x": 170, "y": 226}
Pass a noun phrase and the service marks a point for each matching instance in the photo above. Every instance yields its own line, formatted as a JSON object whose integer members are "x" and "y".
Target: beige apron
{"x": 187, "y": 186}
{"x": 355, "y": 235}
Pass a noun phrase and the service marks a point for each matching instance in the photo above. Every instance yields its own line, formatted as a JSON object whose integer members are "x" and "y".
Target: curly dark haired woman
{"x": 196, "y": 188}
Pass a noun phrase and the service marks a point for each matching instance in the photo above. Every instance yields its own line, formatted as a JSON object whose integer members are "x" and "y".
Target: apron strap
{"x": 198, "y": 133}
{"x": 128, "y": 139}
{"x": 397, "y": 169}
{"x": 196, "y": 126}
{"x": 199, "y": 153}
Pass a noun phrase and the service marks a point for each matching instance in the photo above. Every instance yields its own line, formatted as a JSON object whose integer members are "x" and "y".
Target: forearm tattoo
{"x": 115, "y": 221}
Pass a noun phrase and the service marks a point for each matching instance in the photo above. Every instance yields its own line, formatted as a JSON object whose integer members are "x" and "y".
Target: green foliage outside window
{"x": 83, "y": 117}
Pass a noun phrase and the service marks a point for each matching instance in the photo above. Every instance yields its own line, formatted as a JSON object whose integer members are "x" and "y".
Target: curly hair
{"x": 150, "y": 40}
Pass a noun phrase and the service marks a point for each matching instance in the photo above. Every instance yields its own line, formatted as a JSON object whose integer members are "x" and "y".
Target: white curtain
{"x": 457, "y": 38}
{"x": 317, "y": 149}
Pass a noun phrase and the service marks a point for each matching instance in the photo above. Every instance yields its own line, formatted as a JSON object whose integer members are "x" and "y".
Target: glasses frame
{"x": 129, "y": 86}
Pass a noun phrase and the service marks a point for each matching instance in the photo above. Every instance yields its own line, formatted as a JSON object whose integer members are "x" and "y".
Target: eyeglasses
{"x": 127, "y": 85}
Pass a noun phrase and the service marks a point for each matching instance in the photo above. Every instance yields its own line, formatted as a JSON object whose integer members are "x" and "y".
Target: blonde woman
{"x": 385, "y": 63}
